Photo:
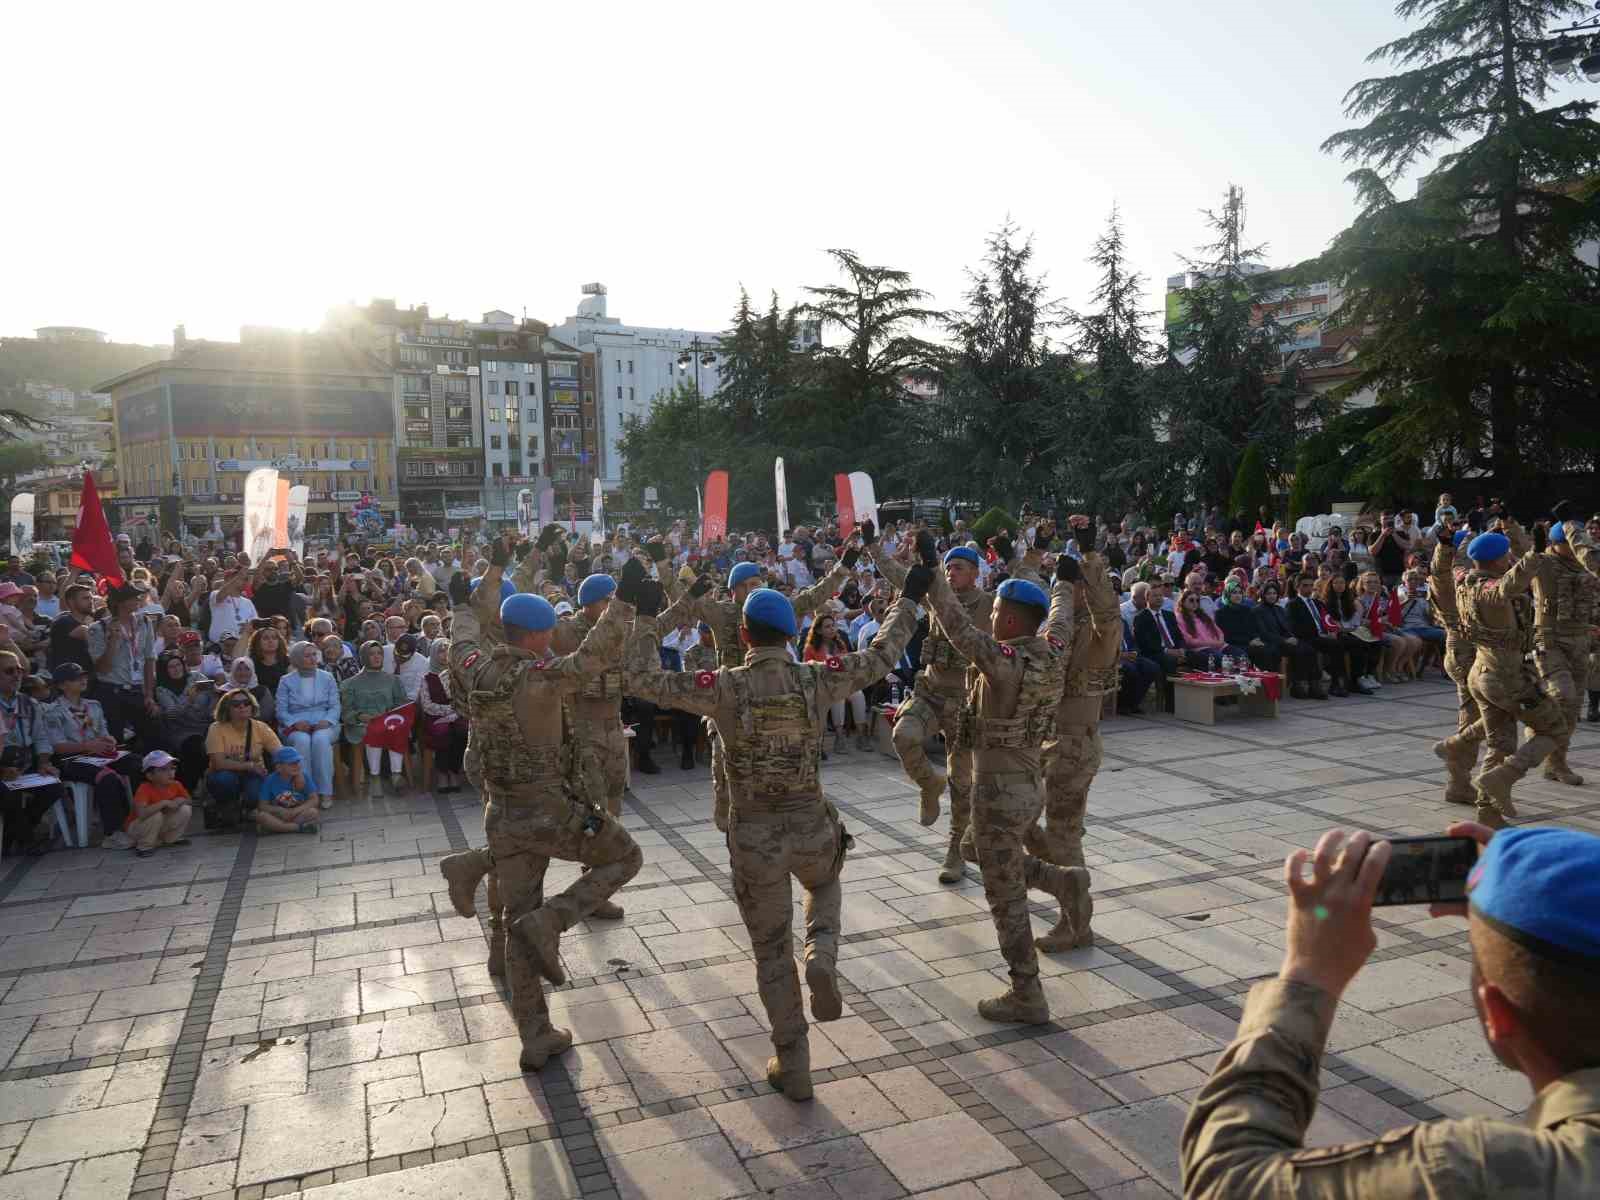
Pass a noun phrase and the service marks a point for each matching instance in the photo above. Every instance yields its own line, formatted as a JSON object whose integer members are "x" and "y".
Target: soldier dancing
{"x": 1461, "y": 754}
{"x": 513, "y": 688}
{"x": 771, "y": 713}
{"x": 1563, "y": 612}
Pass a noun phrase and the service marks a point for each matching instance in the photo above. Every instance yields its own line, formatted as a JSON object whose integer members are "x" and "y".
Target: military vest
{"x": 778, "y": 743}
{"x": 1038, "y": 697}
{"x": 1476, "y": 592}
{"x": 506, "y": 758}
{"x": 608, "y": 684}
{"x": 1566, "y": 601}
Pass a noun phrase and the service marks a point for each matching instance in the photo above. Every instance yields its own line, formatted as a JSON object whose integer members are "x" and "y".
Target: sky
{"x": 230, "y": 164}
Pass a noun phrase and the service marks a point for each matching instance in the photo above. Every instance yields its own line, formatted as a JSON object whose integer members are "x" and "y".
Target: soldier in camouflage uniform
{"x": 771, "y": 713}
{"x": 935, "y": 704}
{"x": 722, "y": 617}
{"x": 1563, "y": 612}
{"x": 1073, "y": 757}
{"x": 502, "y": 665}
{"x": 1014, "y": 689}
{"x": 1449, "y": 556}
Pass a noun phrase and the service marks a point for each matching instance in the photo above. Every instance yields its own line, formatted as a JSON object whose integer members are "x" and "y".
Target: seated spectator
{"x": 288, "y": 805}
{"x": 161, "y": 808}
{"x": 23, "y": 807}
{"x": 1416, "y": 616}
{"x": 269, "y": 655}
{"x": 187, "y": 700}
{"x": 337, "y": 659}
{"x": 1278, "y": 641}
{"x": 74, "y": 742}
{"x": 1533, "y": 920}
{"x": 443, "y": 726}
{"x": 1236, "y": 618}
{"x": 308, "y": 717}
{"x": 826, "y": 642}
{"x": 367, "y": 694}
{"x": 1378, "y": 612}
{"x": 408, "y": 665}
{"x": 1157, "y": 634}
{"x": 1135, "y": 673}
{"x": 1360, "y": 644}
{"x": 238, "y": 743}
{"x": 1202, "y": 637}
{"x": 242, "y": 676}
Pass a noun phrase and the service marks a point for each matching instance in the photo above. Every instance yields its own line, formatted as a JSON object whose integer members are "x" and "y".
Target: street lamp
{"x": 1569, "y": 56}
{"x": 700, "y": 354}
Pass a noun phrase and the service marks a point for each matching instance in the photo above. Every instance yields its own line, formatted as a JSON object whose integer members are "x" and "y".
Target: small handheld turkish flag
{"x": 92, "y": 547}
{"x": 391, "y": 730}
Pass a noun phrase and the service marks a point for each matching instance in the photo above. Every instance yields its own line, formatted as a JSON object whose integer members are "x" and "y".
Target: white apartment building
{"x": 635, "y": 364}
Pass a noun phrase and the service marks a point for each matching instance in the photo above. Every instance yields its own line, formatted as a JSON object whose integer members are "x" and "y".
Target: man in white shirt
{"x": 795, "y": 568}
{"x": 231, "y": 610}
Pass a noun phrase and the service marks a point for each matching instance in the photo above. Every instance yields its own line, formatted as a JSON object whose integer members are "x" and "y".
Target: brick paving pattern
{"x": 293, "y": 1016}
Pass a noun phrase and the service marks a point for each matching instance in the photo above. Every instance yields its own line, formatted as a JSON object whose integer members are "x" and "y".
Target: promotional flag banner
{"x": 295, "y": 526}
{"x": 92, "y": 547}
{"x": 525, "y": 512}
{"x": 547, "y": 506}
{"x": 260, "y": 503}
{"x": 22, "y": 524}
{"x": 716, "y": 507}
{"x": 782, "y": 487}
{"x": 844, "y": 500}
{"x": 597, "y": 532}
{"x": 280, "y": 514}
{"x": 864, "y": 499}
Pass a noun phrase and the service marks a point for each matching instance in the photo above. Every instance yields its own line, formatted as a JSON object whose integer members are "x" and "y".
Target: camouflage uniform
{"x": 722, "y": 618}
{"x": 521, "y": 750}
{"x": 1073, "y": 757}
{"x": 1459, "y": 652}
{"x": 772, "y": 713}
{"x": 935, "y": 705}
{"x": 595, "y": 714}
{"x": 1563, "y": 612}
{"x": 1013, "y": 691}
{"x": 1244, "y": 1134}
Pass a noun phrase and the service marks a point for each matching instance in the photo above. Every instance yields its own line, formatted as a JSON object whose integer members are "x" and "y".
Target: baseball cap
{"x": 285, "y": 754}
{"x": 157, "y": 759}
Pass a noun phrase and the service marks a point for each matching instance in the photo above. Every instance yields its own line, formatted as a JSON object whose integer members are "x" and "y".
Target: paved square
{"x": 254, "y": 1017}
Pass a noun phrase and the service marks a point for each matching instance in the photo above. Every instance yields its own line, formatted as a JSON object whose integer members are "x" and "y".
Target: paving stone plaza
{"x": 251, "y": 1017}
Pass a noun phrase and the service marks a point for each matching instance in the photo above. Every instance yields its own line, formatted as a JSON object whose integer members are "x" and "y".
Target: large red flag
{"x": 716, "y": 508}
{"x": 844, "y": 498}
{"x": 92, "y": 547}
{"x": 391, "y": 730}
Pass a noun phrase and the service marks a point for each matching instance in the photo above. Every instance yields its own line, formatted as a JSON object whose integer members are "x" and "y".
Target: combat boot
{"x": 1022, "y": 1002}
{"x": 1557, "y": 771}
{"x": 840, "y": 744}
{"x": 954, "y": 869}
{"x": 1494, "y": 786}
{"x": 932, "y": 788}
{"x": 1070, "y": 886}
{"x": 790, "y": 1070}
{"x": 497, "y": 945}
{"x": 607, "y": 910}
{"x": 541, "y": 1047}
{"x": 540, "y": 932}
{"x": 1489, "y": 815}
{"x": 863, "y": 741}
{"x": 463, "y": 872}
{"x": 374, "y": 788}
{"x": 823, "y": 980}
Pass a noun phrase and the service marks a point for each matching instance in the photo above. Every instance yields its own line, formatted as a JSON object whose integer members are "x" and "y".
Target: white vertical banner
{"x": 22, "y": 524}
{"x": 597, "y": 532}
{"x": 866, "y": 498}
{"x": 299, "y": 498}
{"x": 260, "y": 512}
{"x": 781, "y": 486}
{"x": 700, "y": 507}
{"x": 525, "y": 512}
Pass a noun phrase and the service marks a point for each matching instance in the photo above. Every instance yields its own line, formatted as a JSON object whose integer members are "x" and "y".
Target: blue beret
{"x": 1461, "y": 536}
{"x": 526, "y": 611}
{"x": 1023, "y": 591}
{"x": 1558, "y": 531}
{"x": 507, "y": 588}
{"x": 741, "y": 572}
{"x": 772, "y": 609}
{"x": 960, "y": 554}
{"x": 1487, "y": 547}
{"x": 1541, "y": 889}
{"x": 596, "y": 588}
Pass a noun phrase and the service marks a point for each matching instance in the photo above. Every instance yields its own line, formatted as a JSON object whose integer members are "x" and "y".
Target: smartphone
{"x": 1426, "y": 870}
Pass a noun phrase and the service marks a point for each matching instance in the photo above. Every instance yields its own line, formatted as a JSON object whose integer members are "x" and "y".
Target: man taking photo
{"x": 1534, "y": 920}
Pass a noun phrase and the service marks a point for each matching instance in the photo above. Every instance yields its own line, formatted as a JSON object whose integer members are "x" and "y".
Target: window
{"x": 494, "y": 444}
{"x": 494, "y": 387}
{"x": 533, "y": 416}
{"x": 496, "y": 468}
{"x": 455, "y": 387}
{"x": 198, "y": 487}
{"x": 530, "y": 368}
{"x": 630, "y": 394}
{"x": 513, "y": 388}
{"x": 533, "y": 443}
{"x": 630, "y": 366}
{"x": 619, "y": 391}
{"x": 412, "y": 469}
{"x": 619, "y": 366}
{"x": 494, "y": 416}
{"x": 588, "y": 422}
{"x": 491, "y": 367}
{"x": 457, "y": 412}
{"x": 511, "y": 416}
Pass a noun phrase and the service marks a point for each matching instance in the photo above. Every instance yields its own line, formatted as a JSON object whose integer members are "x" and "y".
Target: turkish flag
{"x": 391, "y": 730}
{"x": 92, "y": 547}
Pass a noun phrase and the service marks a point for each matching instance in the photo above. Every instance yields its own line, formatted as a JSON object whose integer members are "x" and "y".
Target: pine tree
{"x": 1484, "y": 316}
{"x": 1251, "y": 490}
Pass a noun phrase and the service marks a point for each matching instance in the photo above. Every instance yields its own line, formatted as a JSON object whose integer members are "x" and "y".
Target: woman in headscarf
{"x": 308, "y": 713}
{"x": 242, "y": 674}
{"x": 370, "y": 693}
{"x": 187, "y": 702}
{"x": 444, "y": 727}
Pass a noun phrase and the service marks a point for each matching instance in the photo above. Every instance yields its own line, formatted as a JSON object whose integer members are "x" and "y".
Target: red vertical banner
{"x": 280, "y": 515}
{"x": 844, "y": 498}
{"x": 716, "y": 507}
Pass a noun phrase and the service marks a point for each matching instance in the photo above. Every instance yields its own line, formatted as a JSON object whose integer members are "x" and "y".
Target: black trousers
{"x": 1364, "y": 656}
{"x": 23, "y": 809}
{"x": 124, "y": 709}
{"x": 111, "y": 797}
{"x": 1302, "y": 658}
{"x": 642, "y": 715}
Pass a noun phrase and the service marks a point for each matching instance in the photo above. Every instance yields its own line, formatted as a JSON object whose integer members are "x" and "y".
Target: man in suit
{"x": 1136, "y": 673}
{"x": 1156, "y": 634}
{"x": 1308, "y": 620}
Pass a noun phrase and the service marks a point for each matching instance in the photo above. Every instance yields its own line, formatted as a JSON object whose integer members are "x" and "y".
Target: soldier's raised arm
{"x": 1442, "y": 580}
{"x": 691, "y": 605}
{"x": 820, "y": 592}
{"x": 888, "y": 565}
{"x": 847, "y": 674}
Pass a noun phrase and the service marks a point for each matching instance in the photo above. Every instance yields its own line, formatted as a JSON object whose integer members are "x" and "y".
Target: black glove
{"x": 499, "y": 552}
{"x": 869, "y": 533}
{"x": 701, "y": 586}
{"x": 927, "y": 549}
{"x": 1067, "y": 569}
{"x": 1541, "y": 537}
{"x": 460, "y": 588}
{"x": 1002, "y": 548}
{"x": 631, "y": 586}
{"x": 1086, "y": 536}
{"x": 649, "y": 598}
{"x": 918, "y": 580}
{"x": 851, "y": 556}
{"x": 656, "y": 550}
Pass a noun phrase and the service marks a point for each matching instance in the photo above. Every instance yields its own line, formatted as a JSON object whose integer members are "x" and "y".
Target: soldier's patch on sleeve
{"x": 539, "y": 663}
{"x": 705, "y": 679}
{"x": 1055, "y": 642}
{"x": 470, "y": 659}
{"x": 835, "y": 663}
{"x": 1008, "y": 651}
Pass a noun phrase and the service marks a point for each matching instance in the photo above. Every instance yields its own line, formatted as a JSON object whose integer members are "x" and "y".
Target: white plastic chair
{"x": 81, "y": 794}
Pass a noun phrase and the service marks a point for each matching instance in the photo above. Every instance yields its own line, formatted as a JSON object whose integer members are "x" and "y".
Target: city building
{"x": 633, "y": 365}
{"x": 318, "y": 407}
{"x": 69, "y": 333}
{"x": 511, "y": 376}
